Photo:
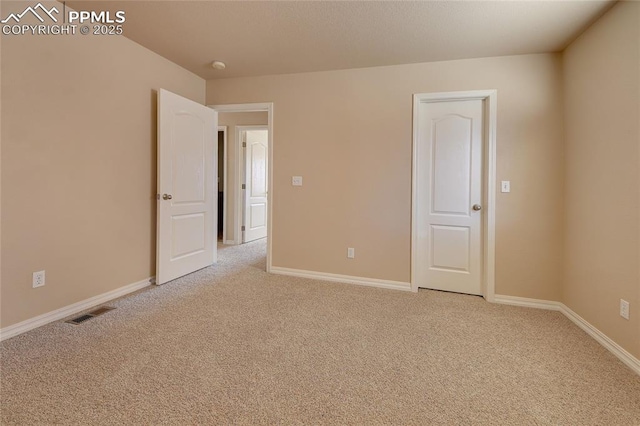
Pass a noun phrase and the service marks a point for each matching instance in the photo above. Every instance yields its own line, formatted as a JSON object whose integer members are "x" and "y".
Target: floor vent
{"x": 85, "y": 317}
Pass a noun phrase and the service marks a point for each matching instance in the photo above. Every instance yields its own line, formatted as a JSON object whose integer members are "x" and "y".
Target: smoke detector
{"x": 219, "y": 65}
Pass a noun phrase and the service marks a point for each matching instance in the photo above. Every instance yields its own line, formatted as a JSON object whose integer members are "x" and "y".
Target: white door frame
{"x": 240, "y": 177}
{"x": 268, "y": 108}
{"x": 488, "y": 187}
{"x": 225, "y": 166}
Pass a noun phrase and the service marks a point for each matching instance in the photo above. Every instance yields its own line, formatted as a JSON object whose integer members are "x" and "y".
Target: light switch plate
{"x": 624, "y": 309}
{"x": 296, "y": 180}
{"x": 505, "y": 186}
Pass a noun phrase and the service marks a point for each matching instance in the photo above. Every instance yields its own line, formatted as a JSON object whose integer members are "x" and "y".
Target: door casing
{"x": 489, "y": 180}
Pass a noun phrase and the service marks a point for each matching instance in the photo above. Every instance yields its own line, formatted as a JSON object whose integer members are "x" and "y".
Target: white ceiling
{"x": 267, "y": 37}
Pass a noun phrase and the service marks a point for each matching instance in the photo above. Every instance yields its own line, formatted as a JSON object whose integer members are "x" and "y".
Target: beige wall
{"x": 0, "y": 177}
{"x": 78, "y": 166}
{"x": 602, "y": 128}
{"x": 231, "y": 120}
{"x": 348, "y": 133}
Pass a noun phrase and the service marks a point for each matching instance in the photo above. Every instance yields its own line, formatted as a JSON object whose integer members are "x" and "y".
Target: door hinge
{"x": 244, "y": 144}
{"x": 243, "y": 227}
{"x": 244, "y": 186}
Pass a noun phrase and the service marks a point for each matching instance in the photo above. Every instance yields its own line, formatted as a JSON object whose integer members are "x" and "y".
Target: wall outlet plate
{"x": 505, "y": 186}
{"x": 38, "y": 279}
{"x": 351, "y": 253}
{"x": 296, "y": 180}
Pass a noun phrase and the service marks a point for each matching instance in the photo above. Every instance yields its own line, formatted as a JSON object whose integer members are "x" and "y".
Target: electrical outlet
{"x": 38, "y": 279}
{"x": 296, "y": 180}
{"x": 624, "y": 309}
{"x": 351, "y": 253}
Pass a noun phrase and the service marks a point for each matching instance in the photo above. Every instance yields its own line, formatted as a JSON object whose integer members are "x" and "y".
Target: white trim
{"x": 239, "y": 196}
{"x": 348, "y": 279}
{"x": 490, "y": 224}
{"x": 624, "y": 356}
{"x": 621, "y": 353}
{"x": 225, "y": 168}
{"x": 414, "y": 193}
{"x": 230, "y": 242}
{"x": 489, "y": 231}
{"x": 58, "y": 314}
{"x": 250, "y": 107}
{"x": 527, "y": 303}
{"x": 254, "y": 107}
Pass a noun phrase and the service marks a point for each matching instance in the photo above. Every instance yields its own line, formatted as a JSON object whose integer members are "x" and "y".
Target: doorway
{"x": 241, "y": 125}
{"x": 453, "y": 192}
{"x": 241, "y": 120}
{"x": 222, "y": 183}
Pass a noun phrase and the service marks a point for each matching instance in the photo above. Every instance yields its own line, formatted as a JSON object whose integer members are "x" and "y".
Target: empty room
{"x": 320, "y": 212}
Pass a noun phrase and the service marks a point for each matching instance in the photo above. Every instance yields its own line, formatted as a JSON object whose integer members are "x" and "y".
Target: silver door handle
{"x": 166, "y": 197}
{"x": 477, "y": 207}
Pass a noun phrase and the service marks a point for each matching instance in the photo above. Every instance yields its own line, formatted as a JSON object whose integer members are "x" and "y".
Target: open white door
{"x": 187, "y": 194}
{"x": 256, "y": 172}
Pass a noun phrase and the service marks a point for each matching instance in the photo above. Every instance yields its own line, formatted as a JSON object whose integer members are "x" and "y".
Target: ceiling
{"x": 269, "y": 37}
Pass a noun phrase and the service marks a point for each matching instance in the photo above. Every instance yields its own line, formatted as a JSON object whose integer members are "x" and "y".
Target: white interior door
{"x": 187, "y": 193}
{"x": 449, "y": 196}
{"x": 256, "y": 172}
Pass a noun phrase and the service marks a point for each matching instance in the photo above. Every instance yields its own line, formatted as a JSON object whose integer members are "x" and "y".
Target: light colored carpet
{"x": 233, "y": 345}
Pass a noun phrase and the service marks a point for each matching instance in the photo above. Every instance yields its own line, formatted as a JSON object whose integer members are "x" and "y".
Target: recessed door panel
{"x": 188, "y": 160}
{"x": 450, "y": 248}
{"x": 451, "y": 159}
{"x": 258, "y": 170}
{"x": 258, "y": 216}
{"x": 188, "y": 235}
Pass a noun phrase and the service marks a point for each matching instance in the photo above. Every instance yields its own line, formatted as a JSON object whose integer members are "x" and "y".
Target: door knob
{"x": 477, "y": 207}
{"x": 166, "y": 197}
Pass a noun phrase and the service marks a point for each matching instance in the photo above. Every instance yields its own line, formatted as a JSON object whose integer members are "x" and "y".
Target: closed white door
{"x": 256, "y": 172}
{"x": 187, "y": 193}
{"x": 449, "y": 182}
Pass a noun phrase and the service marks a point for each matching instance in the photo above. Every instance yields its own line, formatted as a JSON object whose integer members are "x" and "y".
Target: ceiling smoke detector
{"x": 219, "y": 65}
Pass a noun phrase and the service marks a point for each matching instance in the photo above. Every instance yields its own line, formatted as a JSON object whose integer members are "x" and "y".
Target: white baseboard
{"x": 348, "y": 279}
{"x": 527, "y": 303}
{"x": 622, "y": 354}
{"x": 230, "y": 242}
{"x": 58, "y": 314}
